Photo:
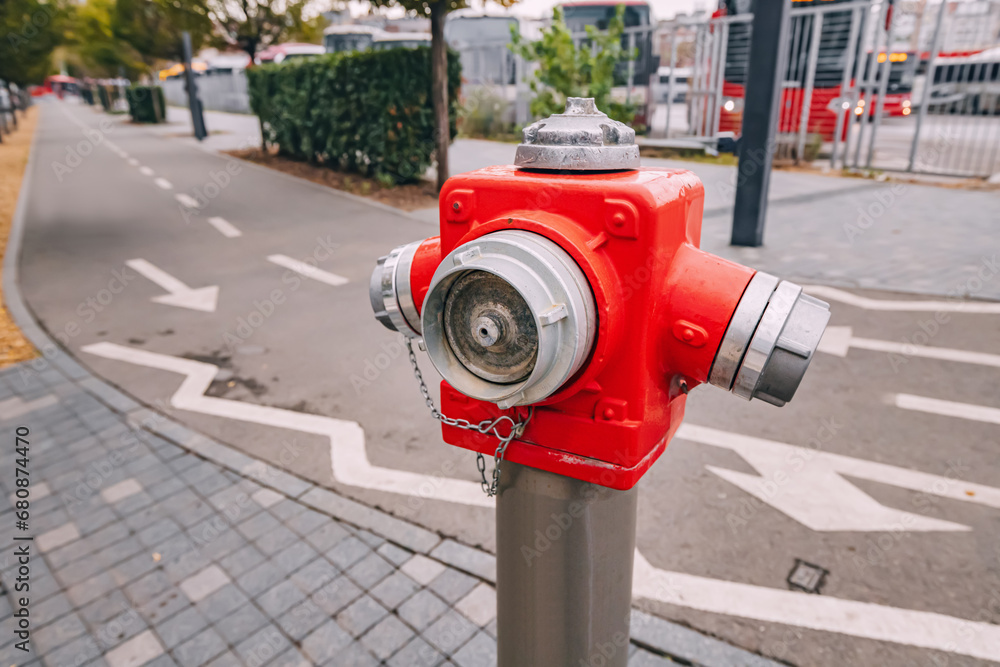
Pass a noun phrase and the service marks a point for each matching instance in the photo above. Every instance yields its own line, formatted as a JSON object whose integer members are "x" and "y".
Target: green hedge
{"x": 146, "y": 104}
{"x": 368, "y": 112}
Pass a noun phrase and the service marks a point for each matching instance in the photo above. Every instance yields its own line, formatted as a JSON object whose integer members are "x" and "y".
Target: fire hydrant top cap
{"x": 582, "y": 139}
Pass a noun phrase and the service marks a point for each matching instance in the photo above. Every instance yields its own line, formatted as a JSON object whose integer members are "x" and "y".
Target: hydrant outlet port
{"x": 508, "y": 318}
{"x": 390, "y": 291}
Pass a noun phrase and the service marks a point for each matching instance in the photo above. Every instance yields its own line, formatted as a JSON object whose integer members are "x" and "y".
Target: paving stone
{"x": 480, "y": 605}
{"x": 348, "y": 552}
{"x": 480, "y": 651}
{"x": 394, "y": 589}
{"x": 422, "y": 569}
{"x": 417, "y": 653}
{"x": 263, "y": 646}
{"x": 200, "y": 649}
{"x": 465, "y": 558}
{"x": 138, "y": 650}
{"x": 201, "y": 585}
{"x": 360, "y": 615}
{"x": 258, "y": 525}
{"x": 57, "y": 633}
{"x": 325, "y": 643}
{"x": 242, "y": 560}
{"x": 57, "y": 537}
{"x": 302, "y": 619}
{"x": 388, "y": 636}
{"x": 290, "y": 658}
{"x": 452, "y": 585}
{"x": 79, "y": 570}
{"x": 227, "y": 659}
{"x": 646, "y": 659}
{"x": 422, "y": 609}
{"x": 449, "y": 632}
{"x": 240, "y": 624}
{"x": 158, "y": 532}
{"x": 45, "y": 611}
{"x": 336, "y": 595}
{"x": 181, "y": 627}
{"x": 92, "y": 588}
{"x": 133, "y": 568}
{"x": 292, "y": 558}
{"x": 312, "y": 576}
{"x": 327, "y": 536}
{"x": 222, "y": 602}
{"x": 275, "y": 540}
{"x": 145, "y": 589}
{"x": 355, "y": 655}
{"x": 77, "y": 652}
{"x": 267, "y": 498}
{"x": 394, "y": 554}
{"x": 164, "y": 605}
{"x": 258, "y": 579}
{"x": 279, "y": 599}
{"x": 102, "y": 609}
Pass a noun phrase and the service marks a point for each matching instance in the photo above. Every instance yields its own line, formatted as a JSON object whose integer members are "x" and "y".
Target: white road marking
{"x": 817, "y": 612}
{"x": 936, "y": 406}
{"x": 187, "y": 200}
{"x": 971, "y": 307}
{"x": 807, "y": 485}
{"x": 348, "y": 457}
{"x": 225, "y": 227}
{"x": 201, "y": 298}
{"x": 838, "y": 340}
{"x": 145, "y": 171}
{"x": 308, "y": 270}
{"x": 132, "y": 161}
{"x": 164, "y": 183}
{"x": 350, "y": 465}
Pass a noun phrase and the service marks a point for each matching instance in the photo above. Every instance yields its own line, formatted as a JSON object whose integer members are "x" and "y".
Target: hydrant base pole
{"x": 565, "y": 551}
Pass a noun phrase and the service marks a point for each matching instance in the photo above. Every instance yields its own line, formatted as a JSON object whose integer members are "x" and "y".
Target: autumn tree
{"x": 253, "y": 25}
{"x": 153, "y": 27}
{"x": 437, "y": 11}
{"x": 31, "y": 31}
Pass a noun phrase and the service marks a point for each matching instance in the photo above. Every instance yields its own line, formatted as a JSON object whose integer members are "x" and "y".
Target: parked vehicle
{"x": 279, "y": 53}
{"x": 348, "y": 38}
{"x": 482, "y": 41}
{"x": 406, "y": 40}
{"x": 678, "y": 89}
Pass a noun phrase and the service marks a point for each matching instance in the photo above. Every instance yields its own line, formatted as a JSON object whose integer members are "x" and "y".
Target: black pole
{"x": 765, "y": 74}
{"x": 197, "y": 119}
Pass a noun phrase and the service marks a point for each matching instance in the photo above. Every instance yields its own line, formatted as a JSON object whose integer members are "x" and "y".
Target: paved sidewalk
{"x": 146, "y": 553}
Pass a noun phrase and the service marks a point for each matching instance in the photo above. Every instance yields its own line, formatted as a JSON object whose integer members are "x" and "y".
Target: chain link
{"x": 487, "y": 426}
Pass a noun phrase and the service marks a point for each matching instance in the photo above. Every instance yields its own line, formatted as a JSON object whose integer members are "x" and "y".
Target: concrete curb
{"x": 670, "y": 640}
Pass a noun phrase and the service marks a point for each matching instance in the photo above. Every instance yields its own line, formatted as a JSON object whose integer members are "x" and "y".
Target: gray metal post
{"x": 565, "y": 550}
{"x": 670, "y": 81}
{"x": 631, "y": 67}
{"x": 806, "y": 112}
{"x": 765, "y": 73}
{"x": 925, "y": 96}
{"x": 197, "y": 119}
{"x": 847, "y": 92}
{"x": 882, "y": 88}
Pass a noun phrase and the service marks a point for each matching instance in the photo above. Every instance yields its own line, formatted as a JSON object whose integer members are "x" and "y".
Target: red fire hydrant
{"x": 567, "y": 298}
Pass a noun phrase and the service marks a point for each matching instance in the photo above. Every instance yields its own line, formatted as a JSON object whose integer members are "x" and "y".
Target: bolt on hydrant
{"x": 569, "y": 310}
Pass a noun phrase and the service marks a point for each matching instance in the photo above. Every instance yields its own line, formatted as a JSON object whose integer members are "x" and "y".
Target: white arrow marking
{"x": 936, "y": 406}
{"x": 806, "y": 485}
{"x": 187, "y": 200}
{"x": 132, "y": 161}
{"x": 971, "y": 307}
{"x": 837, "y": 340}
{"x": 348, "y": 458}
{"x": 225, "y": 227}
{"x": 145, "y": 171}
{"x": 350, "y": 466}
{"x": 201, "y": 298}
{"x": 817, "y": 612}
{"x": 164, "y": 184}
{"x": 308, "y": 270}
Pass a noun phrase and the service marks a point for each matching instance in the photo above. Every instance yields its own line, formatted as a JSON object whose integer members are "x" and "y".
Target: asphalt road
{"x": 860, "y": 475}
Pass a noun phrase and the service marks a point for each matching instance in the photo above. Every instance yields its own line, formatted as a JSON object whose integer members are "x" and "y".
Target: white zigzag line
{"x": 351, "y": 466}
{"x": 348, "y": 456}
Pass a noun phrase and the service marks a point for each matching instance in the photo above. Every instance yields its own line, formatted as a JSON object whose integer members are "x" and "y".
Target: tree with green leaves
{"x": 437, "y": 11}
{"x": 253, "y": 25}
{"x": 153, "y": 27}
{"x": 570, "y": 70}
{"x": 98, "y": 51}
{"x": 31, "y": 30}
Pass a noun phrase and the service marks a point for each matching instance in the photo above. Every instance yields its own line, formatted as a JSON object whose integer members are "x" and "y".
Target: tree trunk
{"x": 12, "y": 100}
{"x": 439, "y": 88}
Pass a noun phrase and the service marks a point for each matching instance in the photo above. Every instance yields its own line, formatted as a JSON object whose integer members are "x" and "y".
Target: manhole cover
{"x": 806, "y": 577}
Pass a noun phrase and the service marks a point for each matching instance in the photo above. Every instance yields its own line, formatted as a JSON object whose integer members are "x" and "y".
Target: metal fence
{"x": 221, "y": 91}
{"x": 868, "y": 85}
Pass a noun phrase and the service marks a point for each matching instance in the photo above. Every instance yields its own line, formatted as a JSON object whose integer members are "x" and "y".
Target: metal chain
{"x": 487, "y": 426}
